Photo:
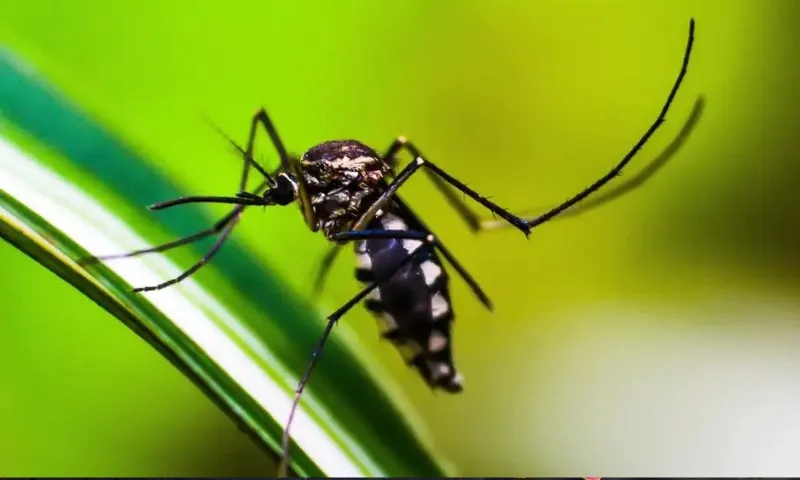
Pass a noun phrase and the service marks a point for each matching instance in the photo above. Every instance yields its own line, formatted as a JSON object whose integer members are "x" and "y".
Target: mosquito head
{"x": 283, "y": 191}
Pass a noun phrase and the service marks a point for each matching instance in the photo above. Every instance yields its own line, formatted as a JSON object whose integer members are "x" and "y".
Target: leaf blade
{"x": 355, "y": 408}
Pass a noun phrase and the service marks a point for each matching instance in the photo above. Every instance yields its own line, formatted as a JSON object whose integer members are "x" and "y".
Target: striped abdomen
{"x": 413, "y": 307}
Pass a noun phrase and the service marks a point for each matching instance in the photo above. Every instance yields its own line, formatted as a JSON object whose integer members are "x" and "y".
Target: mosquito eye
{"x": 283, "y": 197}
{"x": 284, "y": 192}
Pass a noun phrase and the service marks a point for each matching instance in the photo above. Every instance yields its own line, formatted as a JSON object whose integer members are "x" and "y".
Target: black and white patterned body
{"x": 413, "y": 308}
{"x": 343, "y": 178}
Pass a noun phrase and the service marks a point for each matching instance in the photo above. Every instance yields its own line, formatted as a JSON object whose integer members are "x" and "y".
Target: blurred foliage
{"x": 658, "y": 333}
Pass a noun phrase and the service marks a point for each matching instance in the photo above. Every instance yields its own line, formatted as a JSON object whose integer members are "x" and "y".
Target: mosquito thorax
{"x": 342, "y": 177}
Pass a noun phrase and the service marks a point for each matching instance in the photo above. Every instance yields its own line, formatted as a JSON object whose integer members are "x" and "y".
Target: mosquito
{"x": 348, "y": 191}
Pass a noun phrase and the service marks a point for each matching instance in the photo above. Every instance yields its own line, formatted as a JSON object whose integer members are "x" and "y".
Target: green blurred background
{"x": 658, "y": 335}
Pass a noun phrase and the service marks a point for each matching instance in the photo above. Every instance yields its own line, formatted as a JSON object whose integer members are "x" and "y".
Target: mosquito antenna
{"x": 241, "y": 150}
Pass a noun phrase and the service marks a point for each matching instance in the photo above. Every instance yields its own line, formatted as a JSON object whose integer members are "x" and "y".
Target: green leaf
{"x": 67, "y": 190}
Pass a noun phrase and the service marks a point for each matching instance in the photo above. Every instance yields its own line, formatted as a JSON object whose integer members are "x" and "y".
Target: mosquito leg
{"x": 627, "y": 186}
{"x": 330, "y": 256}
{"x": 462, "y": 272}
{"x": 261, "y": 118}
{"x": 223, "y": 236}
{"x": 332, "y": 319}
{"x": 225, "y": 225}
{"x": 351, "y": 235}
{"x": 445, "y": 182}
{"x": 456, "y": 202}
{"x": 218, "y": 226}
{"x": 472, "y": 220}
{"x": 422, "y": 236}
{"x": 324, "y": 269}
{"x": 205, "y": 199}
{"x": 288, "y": 163}
{"x": 415, "y": 165}
{"x": 221, "y": 223}
{"x": 416, "y": 223}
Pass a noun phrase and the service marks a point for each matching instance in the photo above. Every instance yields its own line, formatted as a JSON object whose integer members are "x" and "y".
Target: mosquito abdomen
{"x": 413, "y": 307}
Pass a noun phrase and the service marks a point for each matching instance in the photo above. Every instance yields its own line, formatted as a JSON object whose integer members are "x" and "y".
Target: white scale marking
{"x": 391, "y": 222}
{"x": 431, "y": 271}
{"x": 375, "y": 294}
{"x": 364, "y": 261}
{"x": 439, "y": 306}
{"x": 389, "y": 321}
{"x": 351, "y": 163}
{"x": 438, "y": 370}
{"x": 436, "y": 342}
{"x": 411, "y": 246}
